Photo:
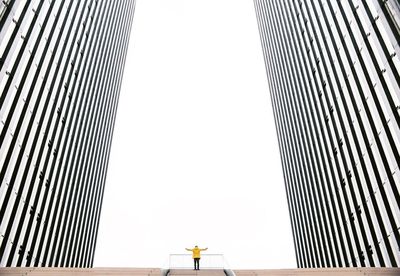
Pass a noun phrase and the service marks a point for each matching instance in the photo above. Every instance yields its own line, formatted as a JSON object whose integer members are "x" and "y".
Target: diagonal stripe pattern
{"x": 61, "y": 65}
{"x": 334, "y": 75}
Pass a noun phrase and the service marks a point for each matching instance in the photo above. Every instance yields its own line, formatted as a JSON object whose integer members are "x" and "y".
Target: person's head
{"x": 195, "y": 246}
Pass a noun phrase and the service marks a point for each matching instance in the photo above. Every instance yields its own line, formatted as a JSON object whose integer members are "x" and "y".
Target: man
{"x": 196, "y": 256}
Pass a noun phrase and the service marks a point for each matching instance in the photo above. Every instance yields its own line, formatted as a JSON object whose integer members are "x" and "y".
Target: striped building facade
{"x": 334, "y": 75}
{"x": 61, "y": 64}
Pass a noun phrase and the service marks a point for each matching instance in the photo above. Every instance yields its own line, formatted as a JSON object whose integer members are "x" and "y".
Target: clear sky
{"x": 195, "y": 158}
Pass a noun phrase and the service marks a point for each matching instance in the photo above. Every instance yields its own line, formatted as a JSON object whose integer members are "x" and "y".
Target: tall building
{"x": 61, "y": 64}
{"x": 334, "y": 75}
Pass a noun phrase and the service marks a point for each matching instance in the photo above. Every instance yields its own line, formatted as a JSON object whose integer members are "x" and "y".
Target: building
{"x": 61, "y": 64}
{"x": 334, "y": 77}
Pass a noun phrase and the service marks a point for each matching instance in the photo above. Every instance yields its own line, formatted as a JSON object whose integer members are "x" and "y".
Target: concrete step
{"x": 47, "y": 271}
{"x": 191, "y": 272}
{"x": 356, "y": 271}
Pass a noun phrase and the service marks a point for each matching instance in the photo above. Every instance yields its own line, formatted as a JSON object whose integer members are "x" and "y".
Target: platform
{"x": 354, "y": 271}
{"x": 192, "y": 272}
{"x": 38, "y": 271}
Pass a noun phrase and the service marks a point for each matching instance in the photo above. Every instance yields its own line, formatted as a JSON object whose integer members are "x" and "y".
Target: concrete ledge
{"x": 202, "y": 272}
{"x": 356, "y": 271}
{"x": 47, "y": 271}
{"x": 36, "y": 271}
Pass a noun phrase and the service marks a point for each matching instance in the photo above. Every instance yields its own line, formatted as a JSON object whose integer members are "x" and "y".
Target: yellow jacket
{"x": 196, "y": 252}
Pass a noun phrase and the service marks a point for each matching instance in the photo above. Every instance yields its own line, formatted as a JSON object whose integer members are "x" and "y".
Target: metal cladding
{"x": 334, "y": 76}
{"x": 61, "y": 64}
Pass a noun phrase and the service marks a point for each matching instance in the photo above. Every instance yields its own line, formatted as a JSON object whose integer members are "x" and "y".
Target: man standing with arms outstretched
{"x": 196, "y": 256}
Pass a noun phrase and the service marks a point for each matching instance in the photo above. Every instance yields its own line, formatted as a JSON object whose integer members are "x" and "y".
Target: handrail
{"x": 207, "y": 261}
{"x": 202, "y": 254}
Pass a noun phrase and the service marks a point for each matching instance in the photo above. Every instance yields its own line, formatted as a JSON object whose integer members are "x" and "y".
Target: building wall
{"x": 334, "y": 75}
{"x": 61, "y": 64}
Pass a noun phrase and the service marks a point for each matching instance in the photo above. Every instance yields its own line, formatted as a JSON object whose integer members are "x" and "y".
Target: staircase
{"x": 114, "y": 271}
{"x": 191, "y": 272}
{"x": 60, "y": 271}
{"x": 349, "y": 271}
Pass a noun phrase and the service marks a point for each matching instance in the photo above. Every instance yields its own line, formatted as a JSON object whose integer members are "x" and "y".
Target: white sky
{"x": 195, "y": 158}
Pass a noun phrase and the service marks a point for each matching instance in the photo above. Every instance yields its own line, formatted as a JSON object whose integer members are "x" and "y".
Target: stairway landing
{"x": 191, "y": 272}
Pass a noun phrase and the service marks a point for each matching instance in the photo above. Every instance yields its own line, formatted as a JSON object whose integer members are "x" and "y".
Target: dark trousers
{"x": 196, "y": 263}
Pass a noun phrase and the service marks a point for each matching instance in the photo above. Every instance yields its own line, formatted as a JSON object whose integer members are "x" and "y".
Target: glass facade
{"x": 334, "y": 75}
{"x": 61, "y": 64}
